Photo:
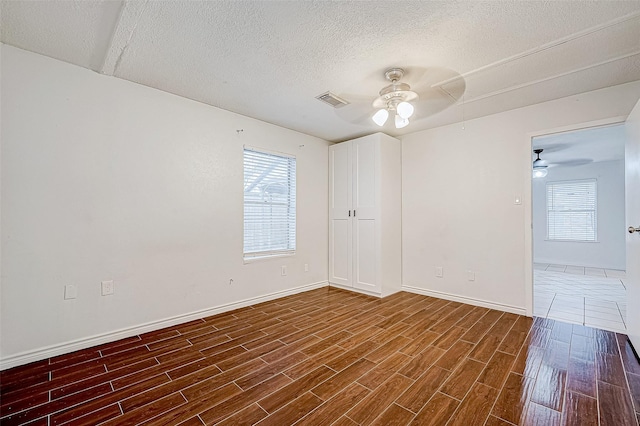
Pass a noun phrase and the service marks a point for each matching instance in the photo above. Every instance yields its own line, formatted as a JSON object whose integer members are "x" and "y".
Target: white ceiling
{"x": 582, "y": 146}
{"x": 268, "y": 60}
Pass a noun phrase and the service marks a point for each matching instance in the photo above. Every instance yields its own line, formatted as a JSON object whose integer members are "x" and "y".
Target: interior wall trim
{"x": 98, "y": 339}
{"x": 355, "y": 290}
{"x": 468, "y": 300}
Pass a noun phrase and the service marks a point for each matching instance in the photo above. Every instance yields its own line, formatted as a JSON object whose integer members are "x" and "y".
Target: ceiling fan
{"x": 410, "y": 94}
{"x": 540, "y": 167}
{"x": 395, "y": 98}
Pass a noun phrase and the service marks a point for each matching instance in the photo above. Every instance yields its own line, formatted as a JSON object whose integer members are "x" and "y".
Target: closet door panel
{"x": 340, "y": 215}
{"x": 366, "y": 242}
{"x": 341, "y": 264}
{"x": 364, "y": 177}
{"x": 365, "y": 238}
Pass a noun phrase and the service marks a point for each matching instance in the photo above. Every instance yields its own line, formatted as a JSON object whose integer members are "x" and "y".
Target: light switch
{"x": 107, "y": 288}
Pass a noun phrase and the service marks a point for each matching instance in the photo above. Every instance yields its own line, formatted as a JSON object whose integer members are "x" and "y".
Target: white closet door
{"x": 340, "y": 215}
{"x": 365, "y": 238}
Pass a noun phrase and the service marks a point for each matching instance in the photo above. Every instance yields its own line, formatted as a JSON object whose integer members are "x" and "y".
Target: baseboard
{"x": 74, "y": 345}
{"x": 468, "y": 300}
{"x": 565, "y": 263}
{"x": 634, "y": 350}
{"x": 357, "y": 290}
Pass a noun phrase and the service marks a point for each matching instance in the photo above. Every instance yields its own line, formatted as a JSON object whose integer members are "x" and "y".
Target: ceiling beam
{"x": 123, "y": 32}
{"x": 548, "y": 78}
{"x": 543, "y": 47}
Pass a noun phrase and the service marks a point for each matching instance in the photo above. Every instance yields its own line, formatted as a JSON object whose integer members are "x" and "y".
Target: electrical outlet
{"x": 283, "y": 271}
{"x": 306, "y": 267}
{"x": 70, "y": 292}
{"x": 107, "y": 288}
{"x": 439, "y": 272}
{"x": 471, "y": 276}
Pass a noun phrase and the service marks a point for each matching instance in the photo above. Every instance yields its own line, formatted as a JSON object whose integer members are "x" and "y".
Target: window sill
{"x": 247, "y": 260}
{"x": 570, "y": 241}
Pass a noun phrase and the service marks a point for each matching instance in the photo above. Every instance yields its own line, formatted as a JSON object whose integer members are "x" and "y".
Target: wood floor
{"x": 331, "y": 357}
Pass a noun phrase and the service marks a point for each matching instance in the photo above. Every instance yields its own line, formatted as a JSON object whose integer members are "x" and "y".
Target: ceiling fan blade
{"x": 540, "y": 163}
{"x": 358, "y": 111}
{"x": 438, "y": 77}
{"x": 431, "y": 103}
{"x": 414, "y": 75}
{"x": 552, "y": 147}
{"x": 437, "y": 88}
{"x": 572, "y": 163}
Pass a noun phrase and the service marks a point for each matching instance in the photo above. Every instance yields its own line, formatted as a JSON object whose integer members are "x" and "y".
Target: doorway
{"x": 578, "y": 204}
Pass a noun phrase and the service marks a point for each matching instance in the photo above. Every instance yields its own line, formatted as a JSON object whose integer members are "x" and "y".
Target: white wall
{"x": 106, "y": 179}
{"x": 609, "y": 250}
{"x": 458, "y": 190}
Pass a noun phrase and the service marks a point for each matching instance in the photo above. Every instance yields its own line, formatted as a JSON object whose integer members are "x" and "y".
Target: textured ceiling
{"x": 268, "y": 60}
{"x": 585, "y": 145}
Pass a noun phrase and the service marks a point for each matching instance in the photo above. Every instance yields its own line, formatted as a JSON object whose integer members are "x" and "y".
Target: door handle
{"x": 632, "y": 229}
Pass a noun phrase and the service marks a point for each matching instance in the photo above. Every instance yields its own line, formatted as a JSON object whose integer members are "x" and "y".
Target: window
{"x": 571, "y": 210}
{"x": 269, "y": 204}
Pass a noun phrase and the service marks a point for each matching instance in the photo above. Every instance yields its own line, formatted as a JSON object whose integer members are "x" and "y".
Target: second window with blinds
{"x": 269, "y": 204}
{"x": 572, "y": 211}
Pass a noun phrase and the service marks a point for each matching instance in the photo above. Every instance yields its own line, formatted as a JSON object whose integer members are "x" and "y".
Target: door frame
{"x": 528, "y": 195}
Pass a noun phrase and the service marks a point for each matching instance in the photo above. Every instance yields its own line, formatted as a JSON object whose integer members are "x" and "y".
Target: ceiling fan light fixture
{"x": 540, "y": 172}
{"x": 401, "y": 122}
{"x": 394, "y": 98}
{"x": 380, "y": 117}
{"x": 405, "y": 109}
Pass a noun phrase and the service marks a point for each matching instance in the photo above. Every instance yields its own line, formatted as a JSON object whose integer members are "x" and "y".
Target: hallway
{"x": 589, "y": 296}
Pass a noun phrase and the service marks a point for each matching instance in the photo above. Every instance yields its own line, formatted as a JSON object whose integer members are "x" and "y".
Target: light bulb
{"x": 380, "y": 117}
{"x": 401, "y": 122}
{"x": 539, "y": 172}
{"x": 405, "y": 109}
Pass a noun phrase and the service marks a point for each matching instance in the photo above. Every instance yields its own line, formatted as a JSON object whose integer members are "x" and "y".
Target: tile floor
{"x": 588, "y": 296}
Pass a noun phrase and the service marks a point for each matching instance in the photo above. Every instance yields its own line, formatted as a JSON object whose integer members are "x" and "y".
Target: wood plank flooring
{"x": 332, "y": 357}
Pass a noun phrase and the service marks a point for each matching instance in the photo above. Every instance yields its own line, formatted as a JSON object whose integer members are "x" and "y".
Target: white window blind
{"x": 571, "y": 210}
{"x": 269, "y": 203}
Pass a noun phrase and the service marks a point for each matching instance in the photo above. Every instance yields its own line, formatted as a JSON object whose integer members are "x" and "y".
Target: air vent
{"x": 332, "y": 100}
